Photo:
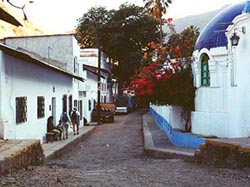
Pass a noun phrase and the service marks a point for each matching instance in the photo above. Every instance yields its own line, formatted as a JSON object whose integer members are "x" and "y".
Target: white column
{"x": 3, "y": 121}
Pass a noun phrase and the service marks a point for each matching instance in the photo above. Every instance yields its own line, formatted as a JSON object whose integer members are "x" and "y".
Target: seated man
{"x": 52, "y": 128}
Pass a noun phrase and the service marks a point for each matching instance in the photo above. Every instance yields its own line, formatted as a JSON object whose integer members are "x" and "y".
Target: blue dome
{"x": 210, "y": 39}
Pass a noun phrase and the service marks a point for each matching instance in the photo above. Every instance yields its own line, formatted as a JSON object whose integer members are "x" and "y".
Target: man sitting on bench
{"x": 53, "y": 131}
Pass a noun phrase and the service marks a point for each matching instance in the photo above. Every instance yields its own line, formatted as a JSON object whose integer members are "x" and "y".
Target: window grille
{"x": 21, "y": 109}
{"x": 40, "y": 107}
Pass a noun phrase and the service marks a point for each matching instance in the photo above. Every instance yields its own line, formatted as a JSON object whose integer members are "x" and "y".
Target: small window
{"x": 205, "y": 77}
{"x": 21, "y": 109}
{"x": 40, "y": 107}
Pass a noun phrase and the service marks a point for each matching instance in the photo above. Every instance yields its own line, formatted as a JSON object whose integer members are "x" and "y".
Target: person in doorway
{"x": 65, "y": 119}
{"x": 75, "y": 116}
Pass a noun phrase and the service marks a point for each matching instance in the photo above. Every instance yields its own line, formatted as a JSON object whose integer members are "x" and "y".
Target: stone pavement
{"x": 233, "y": 153}
{"x": 18, "y": 154}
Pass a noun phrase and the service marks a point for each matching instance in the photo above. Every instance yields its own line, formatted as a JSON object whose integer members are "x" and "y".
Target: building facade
{"x": 89, "y": 64}
{"x": 31, "y": 91}
{"x": 221, "y": 73}
{"x": 49, "y": 85}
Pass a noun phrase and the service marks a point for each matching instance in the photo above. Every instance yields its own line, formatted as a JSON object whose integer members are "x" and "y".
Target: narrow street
{"x": 113, "y": 156}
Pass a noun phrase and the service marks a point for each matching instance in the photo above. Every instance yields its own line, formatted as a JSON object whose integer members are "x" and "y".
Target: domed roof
{"x": 208, "y": 37}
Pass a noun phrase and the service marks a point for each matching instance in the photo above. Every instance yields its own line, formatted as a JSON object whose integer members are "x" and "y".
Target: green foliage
{"x": 184, "y": 42}
{"x": 176, "y": 90}
{"x": 157, "y": 7}
{"x": 122, "y": 34}
{"x": 89, "y": 27}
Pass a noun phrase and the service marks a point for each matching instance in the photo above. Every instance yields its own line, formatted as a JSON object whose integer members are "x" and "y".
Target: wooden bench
{"x": 50, "y": 137}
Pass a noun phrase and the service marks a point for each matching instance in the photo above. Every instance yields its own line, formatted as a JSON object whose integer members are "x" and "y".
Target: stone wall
{"x": 19, "y": 154}
{"x": 223, "y": 154}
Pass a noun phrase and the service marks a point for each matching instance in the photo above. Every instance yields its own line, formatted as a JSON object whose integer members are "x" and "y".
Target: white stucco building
{"x": 221, "y": 75}
{"x": 31, "y": 90}
{"x": 89, "y": 64}
{"x": 40, "y": 77}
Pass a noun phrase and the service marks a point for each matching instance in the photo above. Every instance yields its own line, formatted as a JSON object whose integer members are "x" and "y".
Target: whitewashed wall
{"x": 239, "y": 97}
{"x": 20, "y": 79}
{"x": 172, "y": 114}
{"x": 57, "y": 49}
{"x": 91, "y": 94}
{"x": 61, "y": 50}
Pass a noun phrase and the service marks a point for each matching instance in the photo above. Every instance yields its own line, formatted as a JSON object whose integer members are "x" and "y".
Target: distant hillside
{"x": 200, "y": 20}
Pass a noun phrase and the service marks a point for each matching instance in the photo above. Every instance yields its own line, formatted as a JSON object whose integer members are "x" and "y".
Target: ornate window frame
{"x": 204, "y": 70}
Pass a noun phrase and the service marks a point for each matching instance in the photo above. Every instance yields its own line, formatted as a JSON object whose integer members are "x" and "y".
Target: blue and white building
{"x": 221, "y": 75}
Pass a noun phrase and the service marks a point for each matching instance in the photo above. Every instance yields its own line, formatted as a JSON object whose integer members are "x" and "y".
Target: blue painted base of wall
{"x": 177, "y": 138}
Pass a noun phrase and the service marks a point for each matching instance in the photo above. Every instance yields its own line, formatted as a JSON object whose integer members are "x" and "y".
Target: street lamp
{"x": 234, "y": 40}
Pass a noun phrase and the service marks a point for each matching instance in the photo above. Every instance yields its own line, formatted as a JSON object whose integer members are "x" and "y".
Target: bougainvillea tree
{"x": 164, "y": 81}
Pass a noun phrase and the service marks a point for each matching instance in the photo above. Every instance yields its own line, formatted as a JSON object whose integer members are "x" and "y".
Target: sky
{"x": 61, "y": 15}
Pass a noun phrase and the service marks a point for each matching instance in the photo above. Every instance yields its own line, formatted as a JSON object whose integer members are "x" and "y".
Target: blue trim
{"x": 177, "y": 138}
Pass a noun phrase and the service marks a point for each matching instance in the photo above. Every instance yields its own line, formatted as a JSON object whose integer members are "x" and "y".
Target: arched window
{"x": 205, "y": 77}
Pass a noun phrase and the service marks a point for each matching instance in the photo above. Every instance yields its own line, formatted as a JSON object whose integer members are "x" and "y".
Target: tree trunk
{"x": 160, "y": 32}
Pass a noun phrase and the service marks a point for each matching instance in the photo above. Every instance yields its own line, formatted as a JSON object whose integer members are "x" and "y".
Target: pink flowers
{"x": 163, "y": 81}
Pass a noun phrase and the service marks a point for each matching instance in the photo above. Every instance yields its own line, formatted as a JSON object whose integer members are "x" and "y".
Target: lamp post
{"x": 99, "y": 87}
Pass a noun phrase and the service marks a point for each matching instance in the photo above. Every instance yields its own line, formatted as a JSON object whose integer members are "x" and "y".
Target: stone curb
{"x": 70, "y": 145}
{"x": 161, "y": 153}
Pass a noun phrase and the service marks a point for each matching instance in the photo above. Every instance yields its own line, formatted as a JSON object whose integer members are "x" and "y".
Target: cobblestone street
{"x": 113, "y": 156}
